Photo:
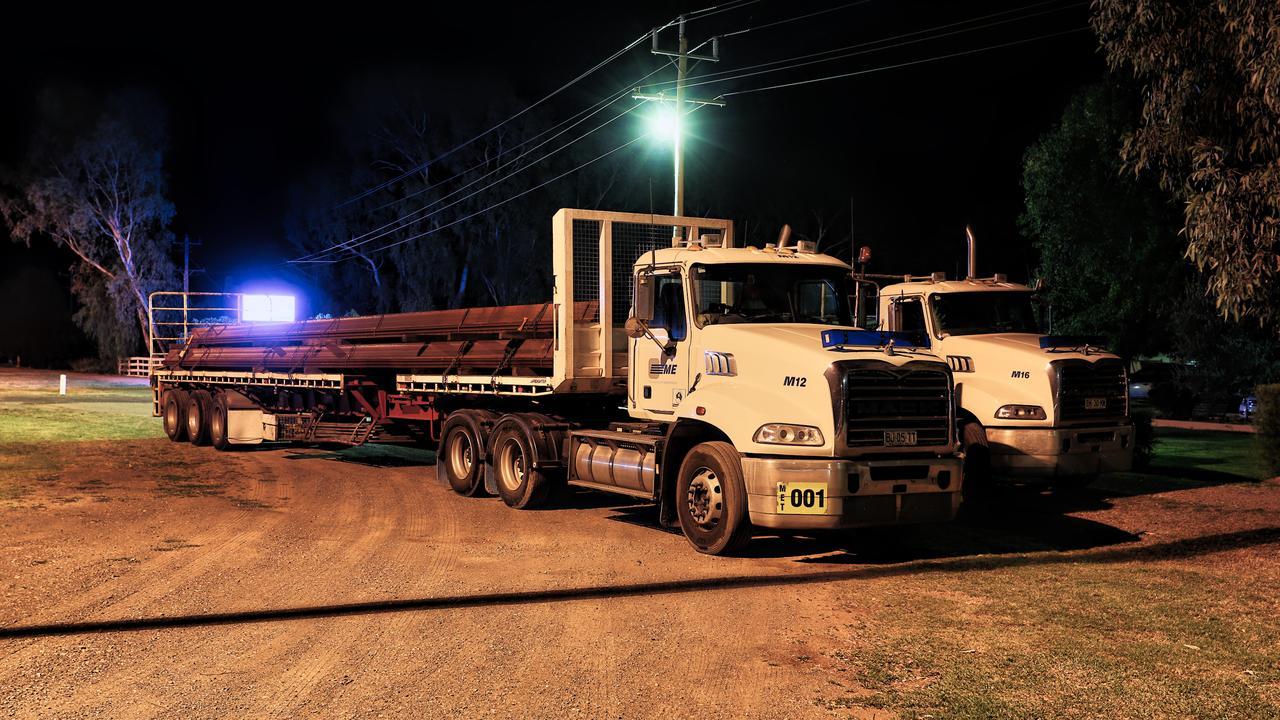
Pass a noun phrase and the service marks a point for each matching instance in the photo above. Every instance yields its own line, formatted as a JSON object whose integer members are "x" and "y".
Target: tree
{"x": 99, "y": 191}
{"x": 1107, "y": 241}
{"x": 1210, "y": 132}
{"x": 1110, "y": 252}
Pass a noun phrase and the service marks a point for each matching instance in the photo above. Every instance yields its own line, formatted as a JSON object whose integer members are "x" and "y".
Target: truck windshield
{"x": 771, "y": 293}
{"x": 979, "y": 313}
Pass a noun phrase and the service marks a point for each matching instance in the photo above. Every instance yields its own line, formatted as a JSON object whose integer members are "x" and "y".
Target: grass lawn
{"x": 94, "y": 408}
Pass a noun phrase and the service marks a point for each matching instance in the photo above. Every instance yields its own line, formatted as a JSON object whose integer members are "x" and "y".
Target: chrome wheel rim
{"x": 705, "y": 498}
{"x": 461, "y": 455}
{"x": 511, "y": 465}
{"x": 216, "y": 425}
{"x": 193, "y": 419}
{"x": 171, "y": 416}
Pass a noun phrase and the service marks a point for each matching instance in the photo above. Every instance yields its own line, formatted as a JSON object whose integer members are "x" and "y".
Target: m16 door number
{"x": 802, "y": 498}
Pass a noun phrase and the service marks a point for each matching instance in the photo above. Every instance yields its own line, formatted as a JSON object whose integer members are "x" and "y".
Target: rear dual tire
{"x": 174, "y": 406}
{"x": 520, "y": 484}
{"x": 462, "y": 444}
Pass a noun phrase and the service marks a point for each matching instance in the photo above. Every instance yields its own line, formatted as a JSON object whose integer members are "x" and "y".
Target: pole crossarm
{"x": 662, "y": 97}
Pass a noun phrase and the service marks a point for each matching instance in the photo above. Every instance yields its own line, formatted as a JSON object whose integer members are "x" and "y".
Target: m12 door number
{"x": 794, "y": 381}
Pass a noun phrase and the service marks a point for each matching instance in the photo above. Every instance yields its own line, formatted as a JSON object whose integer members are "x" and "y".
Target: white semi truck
{"x": 1033, "y": 408}
{"x": 733, "y": 390}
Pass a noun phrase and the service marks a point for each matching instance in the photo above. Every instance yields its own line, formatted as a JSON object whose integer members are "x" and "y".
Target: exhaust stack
{"x": 973, "y": 252}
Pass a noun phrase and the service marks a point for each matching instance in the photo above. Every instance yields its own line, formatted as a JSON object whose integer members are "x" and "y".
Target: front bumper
{"x": 1049, "y": 453}
{"x": 859, "y": 493}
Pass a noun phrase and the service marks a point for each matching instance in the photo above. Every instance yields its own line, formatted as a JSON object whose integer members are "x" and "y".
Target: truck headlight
{"x": 784, "y": 434}
{"x": 1021, "y": 412}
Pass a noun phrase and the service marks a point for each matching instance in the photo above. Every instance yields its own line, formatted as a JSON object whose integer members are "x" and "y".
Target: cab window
{"x": 668, "y": 307}
{"x": 910, "y": 313}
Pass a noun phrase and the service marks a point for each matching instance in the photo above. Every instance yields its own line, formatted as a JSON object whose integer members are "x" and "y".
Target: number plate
{"x": 1095, "y": 403}
{"x": 894, "y": 438}
{"x": 802, "y": 498}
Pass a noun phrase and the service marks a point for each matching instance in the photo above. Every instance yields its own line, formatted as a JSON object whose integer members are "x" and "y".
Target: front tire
{"x": 978, "y": 482}
{"x": 711, "y": 499}
{"x": 520, "y": 485}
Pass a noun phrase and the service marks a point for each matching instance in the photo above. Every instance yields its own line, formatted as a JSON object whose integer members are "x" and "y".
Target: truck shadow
{"x": 1175, "y": 549}
{"x": 372, "y": 455}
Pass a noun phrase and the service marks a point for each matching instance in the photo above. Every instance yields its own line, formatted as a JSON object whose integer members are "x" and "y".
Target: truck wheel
{"x": 198, "y": 408}
{"x": 977, "y": 461}
{"x": 462, "y": 452}
{"x": 218, "y": 423}
{"x": 174, "y": 404}
{"x": 519, "y": 484}
{"x": 711, "y": 499}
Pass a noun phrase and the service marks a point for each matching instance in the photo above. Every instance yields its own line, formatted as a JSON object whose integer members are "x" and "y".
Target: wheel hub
{"x": 705, "y": 498}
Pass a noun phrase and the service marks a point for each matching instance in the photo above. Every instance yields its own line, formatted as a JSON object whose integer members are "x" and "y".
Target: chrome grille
{"x": 880, "y": 397}
{"x": 1083, "y": 386}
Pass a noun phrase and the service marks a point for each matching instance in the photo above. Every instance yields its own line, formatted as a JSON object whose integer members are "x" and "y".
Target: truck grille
{"x": 881, "y": 398}
{"x": 1091, "y": 391}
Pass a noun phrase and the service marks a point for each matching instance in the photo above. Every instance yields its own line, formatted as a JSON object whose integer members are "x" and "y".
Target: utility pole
{"x": 186, "y": 263}
{"x": 681, "y": 56}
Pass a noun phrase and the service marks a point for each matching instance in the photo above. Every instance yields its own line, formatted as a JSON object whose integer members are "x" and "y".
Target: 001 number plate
{"x": 802, "y": 498}
{"x": 1095, "y": 403}
{"x": 895, "y": 438}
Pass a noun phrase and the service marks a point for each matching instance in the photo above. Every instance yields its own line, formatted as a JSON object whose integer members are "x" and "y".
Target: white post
{"x": 62, "y": 384}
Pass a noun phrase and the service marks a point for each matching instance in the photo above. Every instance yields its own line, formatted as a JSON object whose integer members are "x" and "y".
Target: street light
{"x": 664, "y": 123}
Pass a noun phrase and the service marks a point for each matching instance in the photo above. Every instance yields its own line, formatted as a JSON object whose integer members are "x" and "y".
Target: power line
{"x": 739, "y": 73}
{"x": 904, "y": 64}
{"x": 351, "y": 245}
{"x": 589, "y": 112}
{"x": 806, "y": 16}
{"x": 509, "y": 199}
{"x": 706, "y": 12}
{"x": 629, "y": 46}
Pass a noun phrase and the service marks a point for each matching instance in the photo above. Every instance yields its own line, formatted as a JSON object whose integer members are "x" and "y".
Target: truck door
{"x": 662, "y": 373}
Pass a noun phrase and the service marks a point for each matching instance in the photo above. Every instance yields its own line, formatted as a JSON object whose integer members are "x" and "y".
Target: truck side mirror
{"x": 644, "y": 298}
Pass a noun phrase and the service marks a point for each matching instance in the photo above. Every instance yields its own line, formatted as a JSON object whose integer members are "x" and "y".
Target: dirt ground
{"x": 143, "y": 578}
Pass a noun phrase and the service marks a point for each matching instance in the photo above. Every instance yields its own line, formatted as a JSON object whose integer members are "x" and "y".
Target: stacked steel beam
{"x": 512, "y": 339}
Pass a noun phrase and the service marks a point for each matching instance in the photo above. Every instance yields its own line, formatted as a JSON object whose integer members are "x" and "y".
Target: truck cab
{"x": 757, "y": 350}
{"x": 1034, "y": 408}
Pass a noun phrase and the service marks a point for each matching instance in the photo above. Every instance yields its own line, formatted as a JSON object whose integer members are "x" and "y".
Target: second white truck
{"x": 1034, "y": 408}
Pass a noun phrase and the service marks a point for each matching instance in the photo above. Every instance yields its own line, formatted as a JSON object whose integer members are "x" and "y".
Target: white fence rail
{"x": 137, "y": 366}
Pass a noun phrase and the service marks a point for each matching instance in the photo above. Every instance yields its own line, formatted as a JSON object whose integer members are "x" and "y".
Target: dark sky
{"x": 256, "y": 99}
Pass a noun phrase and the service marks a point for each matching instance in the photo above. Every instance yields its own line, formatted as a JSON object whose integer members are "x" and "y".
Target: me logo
{"x": 1021, "y": 374}
{"x": 661, "y": 368}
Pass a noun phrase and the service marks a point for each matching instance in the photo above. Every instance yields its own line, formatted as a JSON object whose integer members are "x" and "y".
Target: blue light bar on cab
{"x": 872, "y": 338}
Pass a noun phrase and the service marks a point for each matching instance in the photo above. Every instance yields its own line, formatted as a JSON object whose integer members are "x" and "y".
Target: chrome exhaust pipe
{"x": 973, "y": 252}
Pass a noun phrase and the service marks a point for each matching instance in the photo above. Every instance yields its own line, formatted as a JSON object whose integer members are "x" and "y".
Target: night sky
{"x": 256, "y": 100}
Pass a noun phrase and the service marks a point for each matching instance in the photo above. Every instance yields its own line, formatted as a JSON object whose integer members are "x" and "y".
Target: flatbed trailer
{"x": 650, "y": 374}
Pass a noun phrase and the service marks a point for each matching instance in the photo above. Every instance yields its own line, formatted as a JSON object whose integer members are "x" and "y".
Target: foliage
{"x": 1210, "y": 132}
{"x": 100, "y": 192}
{"x": 1107, "y": 242}
{"x": 1267, "y": 423}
